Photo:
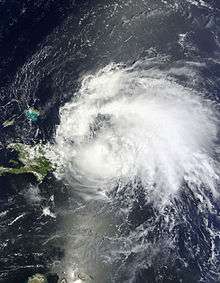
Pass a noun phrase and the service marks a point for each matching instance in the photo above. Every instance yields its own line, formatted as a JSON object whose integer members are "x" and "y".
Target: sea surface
{"x": 128, "y": 93}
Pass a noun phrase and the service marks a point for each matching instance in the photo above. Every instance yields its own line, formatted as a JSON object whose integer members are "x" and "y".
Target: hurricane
{"x": 126, "y": 123}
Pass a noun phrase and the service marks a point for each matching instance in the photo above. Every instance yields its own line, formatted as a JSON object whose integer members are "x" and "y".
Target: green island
{"x": 37, "y": 278}
{"x": 31, "y": 160}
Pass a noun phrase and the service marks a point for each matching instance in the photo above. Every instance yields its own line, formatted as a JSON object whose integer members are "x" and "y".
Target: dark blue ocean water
{"x": 45, "y": 47}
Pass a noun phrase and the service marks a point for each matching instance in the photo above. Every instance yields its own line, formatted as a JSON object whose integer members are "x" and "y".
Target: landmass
{"x": 31, "y": 160}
